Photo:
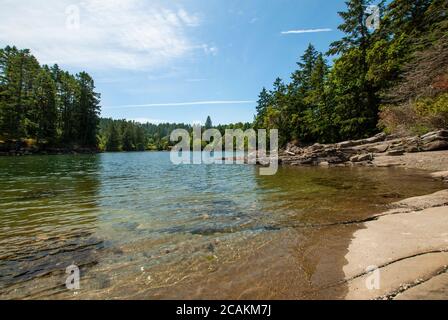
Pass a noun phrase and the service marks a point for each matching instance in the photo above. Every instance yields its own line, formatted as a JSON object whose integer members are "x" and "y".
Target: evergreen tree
{"x": 301, "y": 78}
{"x": 127, "y": 138}
{"x": 44, "y": 112}
{"x": 46, "y": 104}
{"x": 140, "y": 139}
{"x": 87, "y": 111}
{"x": 264, "y": 100}
{"x": 208, "y": 123}
{"x": 113, "y": 138}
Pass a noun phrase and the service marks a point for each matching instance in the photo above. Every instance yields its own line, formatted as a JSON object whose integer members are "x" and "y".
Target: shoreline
{"x": 408, "y": 244}
{"x": 36, "y": 151}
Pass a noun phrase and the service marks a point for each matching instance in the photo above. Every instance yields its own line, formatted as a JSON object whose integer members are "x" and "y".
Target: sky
{"x": 173, "y": 60}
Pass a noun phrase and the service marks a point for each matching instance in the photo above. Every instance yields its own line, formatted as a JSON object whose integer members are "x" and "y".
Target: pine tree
{"x": 140, "y": 139}
{"x": 127, "y": 138}
{"x": 87, "y": 113}
{"x": 264, "y": 100}
{"x": 301, "y": 78}
{"x": 44, "y": 110}
{"x": 113, "y": 138}
{"x": 208, "y": 123}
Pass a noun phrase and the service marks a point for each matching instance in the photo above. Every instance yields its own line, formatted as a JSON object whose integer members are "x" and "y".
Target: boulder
{"x": 360, "y": 152}
{"x": 435, "y": 145}
{"x": 362, "y": 158}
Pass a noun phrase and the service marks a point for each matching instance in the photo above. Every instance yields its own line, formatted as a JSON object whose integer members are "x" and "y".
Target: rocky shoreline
{"x": 362, "y": 152}
{"x": 408, "y": 248}
{"x": 21, "y": 149}
{"x": 408, "y": 244}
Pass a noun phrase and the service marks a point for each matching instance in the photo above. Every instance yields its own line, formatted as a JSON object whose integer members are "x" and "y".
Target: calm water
{"x": 140, "y": 227}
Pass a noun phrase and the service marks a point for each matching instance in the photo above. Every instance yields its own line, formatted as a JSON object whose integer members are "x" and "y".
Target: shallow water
{"x": 140, "y": 227}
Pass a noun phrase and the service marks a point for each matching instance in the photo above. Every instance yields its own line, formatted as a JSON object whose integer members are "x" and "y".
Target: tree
{"x": 44, "y": 112}
{"x": 18, "y": 70}
{"x": 208, "y": 123}
{"x": 301, "y": 79}
{"x": 127, "y": 138}
{"x": 87, "y": 111}
{"x": 140, "y": 139}
{"x": 113, "y": 139}
{"x": 264, "y": 100}
{"x": 46, "y": 104}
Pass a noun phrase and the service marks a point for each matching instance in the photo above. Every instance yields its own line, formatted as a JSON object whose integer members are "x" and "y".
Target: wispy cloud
{"x": 100, "y": 34}
{"x": 181, "y": 104}
{"x": 210, "y": 50}
{"x": 196, "y": 80}
{"x": 149, "y": 120}
{"x": 300, "y": 31}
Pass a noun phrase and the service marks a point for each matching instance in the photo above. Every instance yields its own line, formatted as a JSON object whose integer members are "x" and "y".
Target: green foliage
{"x": 122, "y": 135}
{"x": 208, "y": 123}
{"x": 45, "y": 104}
{"x": 323, "y": 104}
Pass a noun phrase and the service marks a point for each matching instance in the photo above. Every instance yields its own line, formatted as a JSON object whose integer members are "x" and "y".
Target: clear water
{"x": 139, "y": 227}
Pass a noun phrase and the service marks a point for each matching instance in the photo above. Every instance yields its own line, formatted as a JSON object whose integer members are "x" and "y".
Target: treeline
{"x": 398, "y": 69}
{"x": 123, "y": 135}
{"x": 46, "y": 105}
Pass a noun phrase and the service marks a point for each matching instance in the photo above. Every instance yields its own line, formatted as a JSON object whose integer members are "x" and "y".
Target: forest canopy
{"x": 46, "y": 104}
{"x": 393, "y": 78}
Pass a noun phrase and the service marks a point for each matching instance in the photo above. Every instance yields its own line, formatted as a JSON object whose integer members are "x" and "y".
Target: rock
{"x": 361, "y": 158}
{"x": 378, "y": 138}
{"x": 381, "y": 148}
{"x": 396, "y": 152}
{"x": 362, "y": 151}
{"x": 441, "y": 134}
{"x": 442, "y": 175}
{"x": 346, "y": 144}
{"x": 435, "y": 145}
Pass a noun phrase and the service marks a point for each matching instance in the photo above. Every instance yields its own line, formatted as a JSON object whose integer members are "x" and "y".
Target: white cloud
{"x": 253, "y": 20}
{"x": 196, "y": 80}
{"x": 181, "y": 104}
{"x": 149, "y": 120}
{"x": 112, "y": 34}
{"x": 300, "y": 31}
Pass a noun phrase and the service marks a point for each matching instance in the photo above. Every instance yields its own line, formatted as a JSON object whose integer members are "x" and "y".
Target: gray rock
{"x": 395, "y": 152}
{"x": 435, "y": 145}
{"x": 362, "y": 158}
{"x": 361, "y": 152}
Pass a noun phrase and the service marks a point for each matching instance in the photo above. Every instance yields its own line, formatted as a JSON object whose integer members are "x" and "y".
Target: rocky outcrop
{"x": 408, "y": 248}
{"x": 364, "y": 151}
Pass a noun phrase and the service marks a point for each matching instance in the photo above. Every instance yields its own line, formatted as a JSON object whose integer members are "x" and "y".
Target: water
{"x": 139, "y": 227}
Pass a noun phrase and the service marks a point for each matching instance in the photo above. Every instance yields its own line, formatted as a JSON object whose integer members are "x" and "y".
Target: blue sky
{"x": 175, "y": 61}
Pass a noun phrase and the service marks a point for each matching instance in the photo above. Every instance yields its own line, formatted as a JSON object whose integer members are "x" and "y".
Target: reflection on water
{"x": 48, "y": 220}
{"x": 140, "y": 227}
